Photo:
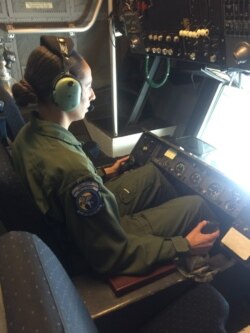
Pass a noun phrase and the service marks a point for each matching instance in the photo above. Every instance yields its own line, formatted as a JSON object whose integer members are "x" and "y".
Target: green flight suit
{"x": 125, "y": 226}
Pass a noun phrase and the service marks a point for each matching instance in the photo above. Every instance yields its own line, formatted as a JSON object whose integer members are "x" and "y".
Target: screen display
{"x": 170, "y": 153}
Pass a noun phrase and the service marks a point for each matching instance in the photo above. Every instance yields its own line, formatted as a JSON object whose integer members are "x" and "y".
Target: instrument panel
{"x": 190, "y": 170}
{"x": 210, "y": 32}
{"x": 212, "y": 186}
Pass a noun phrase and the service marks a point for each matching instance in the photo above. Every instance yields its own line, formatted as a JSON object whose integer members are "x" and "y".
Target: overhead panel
{"x": 46, "y": 10}
{"x": 211, "y": 32}
{"x": 3, "y": 12}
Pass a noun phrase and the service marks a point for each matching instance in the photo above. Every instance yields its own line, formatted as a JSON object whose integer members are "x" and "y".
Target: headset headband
{"x": 61, "y": 46}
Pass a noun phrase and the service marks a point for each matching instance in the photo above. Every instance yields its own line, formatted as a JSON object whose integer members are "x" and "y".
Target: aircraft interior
{"x": 172, "y": 86}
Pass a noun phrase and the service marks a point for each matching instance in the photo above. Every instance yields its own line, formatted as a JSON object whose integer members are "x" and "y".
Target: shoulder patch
{"x": 87, "y": 198}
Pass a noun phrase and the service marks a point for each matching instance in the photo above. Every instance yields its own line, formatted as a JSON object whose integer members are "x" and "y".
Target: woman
{"x": 125, "y": 226}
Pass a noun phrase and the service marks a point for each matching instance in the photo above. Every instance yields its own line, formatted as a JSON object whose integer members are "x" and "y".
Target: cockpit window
{"x": 226, "y": 127}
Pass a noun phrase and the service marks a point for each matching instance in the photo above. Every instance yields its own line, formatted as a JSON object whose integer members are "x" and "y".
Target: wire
{"x": 150, "y": 81}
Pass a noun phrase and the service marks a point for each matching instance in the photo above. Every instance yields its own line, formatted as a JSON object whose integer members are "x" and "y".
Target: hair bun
{"x": 23, "y": 93}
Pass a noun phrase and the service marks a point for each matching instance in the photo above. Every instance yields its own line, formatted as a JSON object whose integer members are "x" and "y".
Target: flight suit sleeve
{"x": 92, "y": 217}
{"x": 101, "y": 172}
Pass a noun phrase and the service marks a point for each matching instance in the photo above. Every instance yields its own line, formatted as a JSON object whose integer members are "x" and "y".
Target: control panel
{"x": 192, "y": 31}
{"x": 190, "y": 170}
{"x": 211, "y": 32}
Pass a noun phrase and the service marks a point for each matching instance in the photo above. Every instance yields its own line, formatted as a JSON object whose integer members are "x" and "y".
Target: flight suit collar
{"x": 52, "y": 130}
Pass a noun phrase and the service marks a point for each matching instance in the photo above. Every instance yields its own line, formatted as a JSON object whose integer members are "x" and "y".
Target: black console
{"x": 198, "y": 176}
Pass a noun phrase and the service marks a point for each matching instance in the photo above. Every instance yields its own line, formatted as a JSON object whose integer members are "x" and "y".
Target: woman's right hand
{"x": 201, "y": 243}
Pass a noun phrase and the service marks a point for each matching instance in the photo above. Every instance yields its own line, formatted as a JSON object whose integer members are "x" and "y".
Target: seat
{"x": 14, "y": 118}
{"x": 18, "y": 210}
{"x": 37, "y": 295}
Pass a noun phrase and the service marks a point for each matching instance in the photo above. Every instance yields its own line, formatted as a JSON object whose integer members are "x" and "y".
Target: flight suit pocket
{"x": 127, "y": 193}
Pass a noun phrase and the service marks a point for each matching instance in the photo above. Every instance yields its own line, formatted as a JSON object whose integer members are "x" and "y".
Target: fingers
{"x": 213, "y": 235}
{"x": 113, "y": 170}
{"x": 199, "y": 240}
{"x": 201, "y": 225}
{"x": 213, "y": 232}
{"x": 123, "y": 159}
{"x": 120, "y": 161}
{"x": 209, "y": 239}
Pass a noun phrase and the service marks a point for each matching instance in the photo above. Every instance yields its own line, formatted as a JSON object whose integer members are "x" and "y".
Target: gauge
{"x": 236, "y": 196}
{"x": 179, "y": 168}
{"x": 230, "y": 205}
{"x": 196, "y": 178}
{"x": 161, "y": 162}
{"x": 214, "y": 190}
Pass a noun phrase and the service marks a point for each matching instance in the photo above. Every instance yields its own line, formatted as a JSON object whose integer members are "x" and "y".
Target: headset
{"x": 66, "y": 89}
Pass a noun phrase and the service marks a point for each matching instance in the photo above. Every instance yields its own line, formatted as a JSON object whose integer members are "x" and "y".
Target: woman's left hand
{"x": 114, "y": 170}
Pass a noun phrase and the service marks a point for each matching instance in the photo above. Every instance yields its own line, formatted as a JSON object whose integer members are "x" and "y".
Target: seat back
{"x": 37, "y": 293}
{"x": 17, "y": 208}
{"x": 19, "y": 212}
{"x": 14, "y": 118}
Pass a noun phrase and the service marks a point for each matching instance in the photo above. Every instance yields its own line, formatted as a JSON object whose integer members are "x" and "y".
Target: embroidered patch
{"x": 87, "y": 197}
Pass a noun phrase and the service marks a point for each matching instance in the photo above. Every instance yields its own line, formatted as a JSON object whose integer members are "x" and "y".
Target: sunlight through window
{"x": 227, "y": 128}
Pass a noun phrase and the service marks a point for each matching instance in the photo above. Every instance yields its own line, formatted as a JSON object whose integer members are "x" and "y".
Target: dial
{"x": 214, "y": 190}
{"x": 196, "y": 178}
{"x": 236, "y": 196}
{"x": 179, "y": 168}
{"x": 230, "y": 205}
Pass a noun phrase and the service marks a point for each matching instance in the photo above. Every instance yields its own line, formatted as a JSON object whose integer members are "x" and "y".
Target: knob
{"x": 195, "y": 34}
{"x": 164, "y": 51}
{"x": 182, "y": 33}
{"x": 192, "y": 56}
{"x": 202, "y": 32}
{"x": 242, "y": 53}
{"x": 213, "y": 58}
{"x": 134, "y": 41}
{"x": 190, "y": 34}
{"x": 170, "y": 52}
{"x": 167, "y": 52}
